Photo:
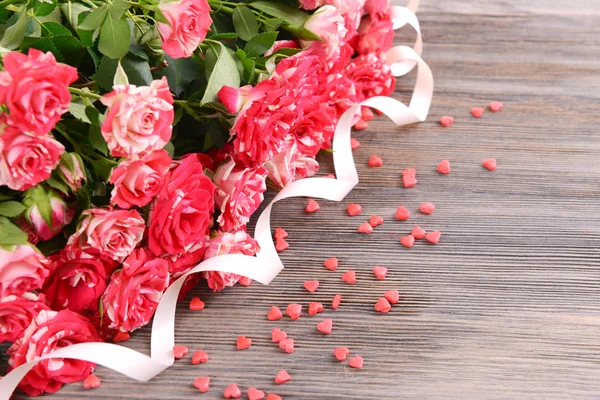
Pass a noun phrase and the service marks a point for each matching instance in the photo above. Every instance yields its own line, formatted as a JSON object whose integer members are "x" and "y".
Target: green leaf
{"x": 58, "y": 185}
{"x": 94, "y": 19}
{"x": 72, "y": 49}
{"x": 117, "y": 8}
{"x": 10, "y": 234}
{"x": 292, "y": 16}
{"x": 54, "y": 29}
{"x": 97, "y": 140}
{"x": 103, "y": 168}
{"x": 11, "y": 208}
{"x": 42, "y": 8}
{"x": 245, "y": 23}
{"x": 77, "y": 109}
{"x": 72, "y": 11}
{"x": 180, "y": 72}
{"x": 114, "y": 38}
{"x": 224, "y": 36}
{"x": 272, "y": 24}
{"x": 44, "y": 44}
{"x": 13, "y": 36}
{"x": 38, "y": 196}
{"x": 4, "y": 197}
{"x": 105, "y": 73}
{"x": 170, "y": 149}
{"x": 33, "y": 29}
{"x": 138, "y": 71}
{"x": 248, "y": 70}
{"x": 259, "y": 44}
{"x": 217, "y": 133}
{"x": 224, "y": 73}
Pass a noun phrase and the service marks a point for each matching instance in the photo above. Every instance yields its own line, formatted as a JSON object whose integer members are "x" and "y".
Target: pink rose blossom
{"x": 238, "y": 193}
{"x": 61, "y": 215}
{"x": 17, "y": 312}
{"x": 112, "y": 233}
{"x": 290, "y": 165}
{"x": 377, "y": 6}
{"x": 238, "y": 242}
{"x": 234, "y": 98}
{"x": 22, "y": 269}
{"x": 339, "y": 91}
{"x": 49, "y": 331}
{"x": 315, "y": 128}
{"x": 35, "y": 89}
{"x": 134, "y": 292}
{"x": 139, "y": 119}
{"x": 28, "y": 229}
{"x": 351, "y": 10}
{"x": 376, "y": 33}
{"x": 328, "y": 24}
{"x": 281, "y": 44}
{"x": 188, "y": 23}
{"x": 71, "y": 170}
{"x": 26, "y": 159}
{"x": 311, "y": 4}
{"x": 137, "y": 182}
{"x": 371, "y": 76}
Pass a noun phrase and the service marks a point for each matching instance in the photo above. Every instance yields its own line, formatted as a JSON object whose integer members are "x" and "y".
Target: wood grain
{"x": 507, "y": 304}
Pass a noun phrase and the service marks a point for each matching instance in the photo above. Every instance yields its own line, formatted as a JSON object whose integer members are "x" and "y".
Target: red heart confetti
{"x": 418, "y": 232}
{"x": 331, "y": 176}
{"x": 366, "y": 113}
{"x": 196, "y": 304}
{"x": 375, "y": 220}
{"x": 353, "y": 209}
{"x": 335, "y": 303}
{"x": 243, "y": 343}
{"x": 392, "y": 296}
{"x": 443, "y": 167}
{"x": 245, "y": 281}
{"x": 355, "y": 144}
{"x": 382, "y": 305}
{"x": 331, "y": 263}
{"x": 477, "y": 112}
{"x": 490, "y": 163}
{"x": 281, "y": 245}
{"x": 202, "y": 384}
{"x": 349, "y": 277}
{"x": 375, "y": 161}
{"x": 282, "y": 377}
{"x": 232, "y": 392}
{"x": 360, "y": 125}
{"x": 407, "y": 241}
{"x": 446, "y": 121}
{"x": 121, "y": 337}
{"x": 380, "y": 272}
{"x": 365, "y": 227}
{"x": 255, "y": 394}
{"x": 293, "y": 311}
{"x": 179, "y": 351}
{"x": 409, "y": 172}
{"x": 409, "y": 181}
{"x": 314, "y": 308}
{"x": 496, "y": 106}
{"x": 341, "y": 353}
{"x": 274, "y": 314}
{"x": 312, "y": 206}
{"x": 273, "y": 396}
{"x": 433, "y": 237}
{"x": 199, "y": 357}
{"x": 91, "y": 382}
{"x": 356, "y": 362}
{"x": 402, "y": 214}
{"x": 427, "y": 208}
{"x": 325, "y": 326}
{"x": 280, "y": 233}
{"x": 311, "y": 286}
{"x": 287, "y": 345}
{"x": 277, "y": 335}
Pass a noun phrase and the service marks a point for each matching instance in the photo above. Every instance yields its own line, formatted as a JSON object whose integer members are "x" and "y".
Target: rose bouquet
{"x": 137, "y": 139}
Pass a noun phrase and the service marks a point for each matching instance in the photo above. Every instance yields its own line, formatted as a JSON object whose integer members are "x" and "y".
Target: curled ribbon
{"x": 266, "y": 264}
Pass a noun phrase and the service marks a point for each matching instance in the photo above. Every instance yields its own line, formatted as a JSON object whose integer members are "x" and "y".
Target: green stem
{"x": 142, "y": 6}
{"x": 90, "y": 3}
{"x": 217, "y": 5}
{"x": 5, "y": 3}
{"x": 84, "y": 93}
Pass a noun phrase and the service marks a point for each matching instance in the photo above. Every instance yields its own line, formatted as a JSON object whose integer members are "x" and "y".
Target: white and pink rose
{"x": 22, "y": 269}
{"x": 188, "y": 22}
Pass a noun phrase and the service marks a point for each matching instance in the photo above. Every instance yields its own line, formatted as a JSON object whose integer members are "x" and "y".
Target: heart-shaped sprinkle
{"x": 331, "y": 176}
{"x": 311, "y": 286}
{"x": 91, "y": 382}
{"x": 444, "y": 167}
{"x": 380, "y": 272}
{"x": 280, "y": 233}
{"x": 375, "y": 220}
{"x": 293, "y": 311}
{"x": 490, "y": 163}
{"x": 446, "y": 121}
{"x": 325, "y": 326}
{"x": 418, "y": 232}
{"x": 356, "y": 362}
{"x": 314, "y": 308}
{"x": 341, "y": 353}
{"x": 282, "y": 377}
{"x": 179, "y": 351}
{"x": 274, "y": 314}
{"x": 245, "y": 281}
{"x": 255, "y": 394}
{"x": 349, "y": 277}
{"x": 277, "y": 335}
{"x": 121, "y": 337}
{"x": 477, "y": 112}
{"x": 273, "y": 396}
{"x": 433, "y": 237}
{"x": 196, "y": 304}
{"x": 409, "y": 181}
{"x": 427, "y": 208}
{"x": 232, "y": 392}
{"x": 335, "y": 303}
{"x": 375, "y": 161}
{"x": 496, "y": 106}
{"x": 281, "y": 245}
{"x": 287, "y": 345}
{"x": 407, "y": 241}
{"x": 202, "y": 384}
{"x": 312, "y": 206}
{"x": 366, "y": 113}
{"x": 355, "y": 144}
{"x": 353, "y": 209}
{"x": 382, "y": 305}
{"x": 402, "y": 214}
{"x": 243, "y": 343}
{"x": 392, "y": 296}
{"x": 360, "y": 125}
{"x": 409, "y": 172}
{"x": 199, "y": 357}
{"x": 331, "y": 263}
{"x": 365, "y": 227}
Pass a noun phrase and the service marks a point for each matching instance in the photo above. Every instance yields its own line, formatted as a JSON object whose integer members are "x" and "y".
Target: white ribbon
{"x": 266, "y": 264}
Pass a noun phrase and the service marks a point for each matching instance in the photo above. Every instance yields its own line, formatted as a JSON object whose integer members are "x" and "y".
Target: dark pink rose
{"x": 376, "y": 33}
{"x": 17, "y": 312}
{"x": 371, "y": 76}
{"x": 290, "y": 165}
{"x": 22, "y": 269}
{"x": 188, "y": 23}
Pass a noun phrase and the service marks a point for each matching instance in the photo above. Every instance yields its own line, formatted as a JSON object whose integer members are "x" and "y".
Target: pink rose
{"x": 112, "y": 233}
{"x": 311, "y": 4}
{"x": 376, "y": 33}
{"x": 189, "y": 22}
{"x": 49, "y": 331}
{"x": 315, "y": 128}
{"x": 134, "y": 292}
{"x": 77, "y": 280}
{"x": 26, "y": 159}
{"x": 281, "y": 44}
{"x": 181, "y": 263}
{"x": 22, "y": 269}
{"x": 238, "y": 193}
{"x": 71, "y": 170}
{"x": 17, "y": 312}
{"x": 139, "y": 119}
{"x": 377, "y": 6}
{"x": 32, "y": 237}
{"x": 35, "y": 89}
{"x": 61, "y": 215}
{"x": 234, "y": 98}
{"x": 371, "y": 76}
{"x": 352, "y": 11}
{"x": 138, "y": 181}
{"x": 328, "y": 24}
{"x": 290, "y": 165}
{"x": 339, "y": 91}
{"x": 238, "y": 242}
{"x": 182, "y": 212}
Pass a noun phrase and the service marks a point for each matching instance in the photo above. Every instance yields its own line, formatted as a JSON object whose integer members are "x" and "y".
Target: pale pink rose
{"x": 376, "y": 33}
{"x": 22, "y": 269}
{"x": 35, "y": 89}
{"x": 377, "y": 6}
{"x": 371, "y": 76}
{"x": 134, "y": 291}
{"x": 25, "y": 158}
{"x": 17, "y": 312}
{"x": 113, "y": 233}
{"x": 238, "y": 242}
{"x": 137, "y": 182}
{"x": 238, "y": 193}
{"x": 139, "y": 119}
{"x": 71, "y": 170}
{"x": 311, "y": 4}
{"x": 351, "y": 10}
{"x": 281, "y": 44}
{"x": 234, "y": 98}
{"x": 290, "y": 165}
{"x": 189, "y": 22}
{"x": 61, "y": 215}
{"x": 328, "y": 24}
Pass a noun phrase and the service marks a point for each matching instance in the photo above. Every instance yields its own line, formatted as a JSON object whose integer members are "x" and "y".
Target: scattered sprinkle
{"x": 245, "y": 281}
{"x": 274, "y": 314}
{"x": 330, "y": 176}
{"x": 360, "y": 125}
{"x": 444, "y": 167}
{"x": 287, "y": 345}
{"x": 407, "y": 241}
{"x": 353, "y": 209}
{"x": 409, "y": 181}
{"x": 121, "y": 337}
{"x": 380, "y": 272}
{"x": 490, "y": 163}
{"x": 311, "y": 286}
{"x": 331, "y": 263}
{"x": 341, "y": 353}
{"x": 293, "y": 311}
{"x": 280, "y": 233}
{"x": 427, "y": 208}
{"x": 232, "y": 392}
{"x": 477, "y": 112}
{"x": 312, "y": 206}
{"x": 325, "y": 326}
{"x": 496, "y": 106}
{"x": 355, "y": 144}
{"x": 91, "y": 382}
{"x": 314, "y": 308}
{"x": 196, "y": 304}
{"x": 179, "y": 351}
{"x": 365, "y": 227}
{"x": 277, "y": 335}
{"x": 349, "y": 277}
{"x": 433, "y": 237}
{"x": 376, "y": 220}
{"x": 255, "y": 394}
{"x": 409, "y": 172}
{"x": 402, "y": 214}
{"x": 356, "y": 362}
{"x": 382, "y": 305}
{"x": 392, "y": 296}
{"x": 202, "y": 384}
{"x": 199, "y": 357}
{"x": 446, "y": 121}
{"x": 281, "y": 245}
{"x": 367, "y": 114}
{"x": 335, "y": 303}
{"x": 243, "y": 343}
{"x": 375, "y": 161}
{"x": 282, "y": 377}
{"x": 273, "y": 396}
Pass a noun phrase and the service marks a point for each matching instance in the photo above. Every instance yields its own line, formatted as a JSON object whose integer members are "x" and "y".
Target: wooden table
{"x": 507, "y": 305}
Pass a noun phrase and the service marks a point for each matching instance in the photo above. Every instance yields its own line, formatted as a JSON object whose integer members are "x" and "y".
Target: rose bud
{"x": 71, "y": 170}
{"x": 57, "y": 213}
